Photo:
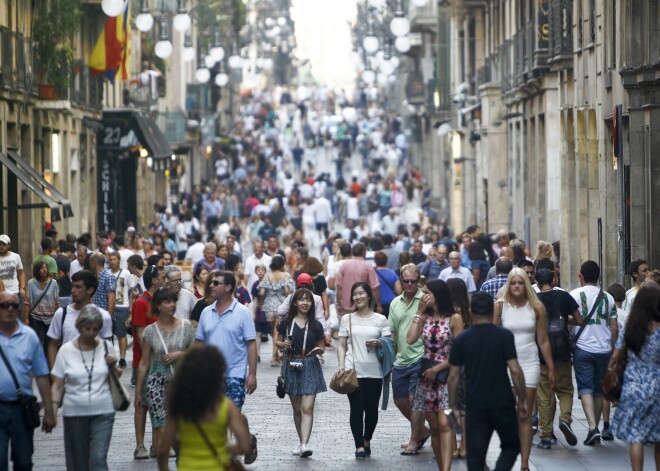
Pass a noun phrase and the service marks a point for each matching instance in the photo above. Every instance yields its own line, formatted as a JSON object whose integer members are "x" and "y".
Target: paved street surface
{"x": 271, "y": 421}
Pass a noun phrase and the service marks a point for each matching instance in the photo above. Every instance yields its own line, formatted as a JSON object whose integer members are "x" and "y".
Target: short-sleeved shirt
{"x": 124, "y": 283}
{"x": 493, "y": 285}
{"x": 230, "y": 332}
{"x": 388, "y": 279}
{"x": 314, "y": 336}
{"x": 66, "y": 329}
{"x": 218, "y": 264}
{"x": 176, "y": 340}
{"x": 242, "y": 296}
{"x": 484, "y": 350}
{"x": 197, "y": 310}
{"x": 50, "y": 261}
{"x": 596, "y": 336}
{"x": 107, "y": 284}
{"x": 10, "y": 264}
{"x": 185, "y": 304}
{"x": 400, "y": 320}
{"x": 358, "y": 356}
{"x": 141, "y": 318}
{"x": 43, "y": 301}
{"x": 350, "y": 272}
{"x": 24, "y": 352}
{"x": 462, "y": 273}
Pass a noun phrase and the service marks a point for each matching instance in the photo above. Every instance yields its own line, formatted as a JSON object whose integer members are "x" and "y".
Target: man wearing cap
{"x": 486, "y": 351}
{"x": 11, "y": 269}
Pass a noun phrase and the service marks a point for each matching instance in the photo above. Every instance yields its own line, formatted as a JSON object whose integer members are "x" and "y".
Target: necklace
{"x": 90, "y": 371}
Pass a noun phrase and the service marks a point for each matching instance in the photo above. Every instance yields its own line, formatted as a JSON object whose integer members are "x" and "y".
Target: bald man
{"x": 455, "y": 270}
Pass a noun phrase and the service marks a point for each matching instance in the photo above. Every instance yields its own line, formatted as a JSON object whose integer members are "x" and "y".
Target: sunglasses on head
{"x": 8, "y": 305}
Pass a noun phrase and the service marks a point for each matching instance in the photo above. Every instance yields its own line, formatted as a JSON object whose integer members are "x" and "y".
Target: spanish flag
{"x": 112, "y": 51}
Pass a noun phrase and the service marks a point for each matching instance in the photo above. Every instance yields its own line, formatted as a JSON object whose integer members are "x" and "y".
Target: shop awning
{"x": 145, "y": 129}
{"x": 36, "y": 183}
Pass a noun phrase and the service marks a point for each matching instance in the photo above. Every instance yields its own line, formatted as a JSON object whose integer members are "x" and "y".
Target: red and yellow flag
{"x": 111, "y": 53}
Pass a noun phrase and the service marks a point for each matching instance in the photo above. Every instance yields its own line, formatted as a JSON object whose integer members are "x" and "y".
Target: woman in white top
{"x": 364, "y": 327}
{"x": 520, "y": 311}
{"x": 81, "y": 371}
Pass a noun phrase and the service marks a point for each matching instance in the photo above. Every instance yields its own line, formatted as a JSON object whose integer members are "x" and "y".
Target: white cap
{"x": 131, "y": 229}
{"x": 4, "y": 238}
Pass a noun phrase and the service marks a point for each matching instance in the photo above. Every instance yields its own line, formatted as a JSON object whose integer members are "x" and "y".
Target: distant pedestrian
{"x": 42, "y": 301}
{"x": 301, "y": 337}
{"x": 486, "y": 352}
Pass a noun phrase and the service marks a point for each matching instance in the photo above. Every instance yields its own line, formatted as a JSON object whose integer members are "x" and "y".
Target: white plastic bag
{"x": 333, "y": 319}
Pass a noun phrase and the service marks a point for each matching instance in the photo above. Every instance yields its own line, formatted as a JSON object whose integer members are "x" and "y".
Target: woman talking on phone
{"x": 301, "y": 336}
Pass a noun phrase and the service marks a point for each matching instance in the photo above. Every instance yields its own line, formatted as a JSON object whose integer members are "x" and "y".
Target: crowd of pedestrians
{"x": 469, "y": 332}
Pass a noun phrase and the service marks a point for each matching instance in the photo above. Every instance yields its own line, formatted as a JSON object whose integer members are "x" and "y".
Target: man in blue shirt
{"x": 228, "y": 325}
{"x": 22, "y": 348}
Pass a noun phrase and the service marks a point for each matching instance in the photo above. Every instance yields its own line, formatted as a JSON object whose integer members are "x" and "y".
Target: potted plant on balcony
{"x": 55, "y": 24}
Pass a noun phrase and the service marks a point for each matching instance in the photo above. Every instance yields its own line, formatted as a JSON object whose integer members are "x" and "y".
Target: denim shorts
{"x": 404, "y": 380}
{"x": 590, "y": 369}
{"x": 119, "y": 321}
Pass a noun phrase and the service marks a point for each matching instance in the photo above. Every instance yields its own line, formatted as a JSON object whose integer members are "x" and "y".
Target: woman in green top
{"x": 200, "y": 414}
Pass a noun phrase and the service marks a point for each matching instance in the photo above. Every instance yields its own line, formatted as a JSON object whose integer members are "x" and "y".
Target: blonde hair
{"x": 533, "y": 299}
{"x": 543, "y": 250}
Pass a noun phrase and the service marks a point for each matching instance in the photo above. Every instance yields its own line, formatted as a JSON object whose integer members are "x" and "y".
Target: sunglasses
{"x": 217, "y": 283}
{"x": 9, "y": 305}
{"x": 409, "y": 282}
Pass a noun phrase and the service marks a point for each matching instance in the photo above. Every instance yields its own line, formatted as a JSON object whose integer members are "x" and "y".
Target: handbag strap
{"x": 162, "y": 341}
{"x": 304, "y": 337}
{"x": 591, "y": 314}
{"x": 40, "y": 297}
{"x": 19, "y": 391}
{"x": 206, "y": 440}
{"x": 381, "y": 277}
{"x": 350, "y": 334}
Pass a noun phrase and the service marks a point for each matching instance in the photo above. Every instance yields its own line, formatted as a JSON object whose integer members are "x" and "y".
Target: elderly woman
{"x": 81, "y": 375}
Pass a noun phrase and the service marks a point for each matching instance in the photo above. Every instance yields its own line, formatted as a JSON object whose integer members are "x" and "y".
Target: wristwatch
{"x": 417, "y": 318}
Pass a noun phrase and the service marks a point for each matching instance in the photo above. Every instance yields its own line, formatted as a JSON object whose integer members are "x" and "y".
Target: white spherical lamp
{"x": 370, "y": 44}
{"x": 202, "y": 75}
{"x": 188, "y": 54}
{"x": 218, "y": 53}
{"x": 181, "y": 22}
{"x": 420, "y": 3}
{"x": 402, "y": 44}
{"x": 368, "y": 76}
{"x": 163, "y": 49}
{"x": 377, "y": 3}
{"x": 221, "y": 79}
{"x": 144, "y": 22}
{"x": 400, "y": 26}
{"x": 209, "y": 61}
{"x": 113, "y": 7}
{"x": 235, "y": 61}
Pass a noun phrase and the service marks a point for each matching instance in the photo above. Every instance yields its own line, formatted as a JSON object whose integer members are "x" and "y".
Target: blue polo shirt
{"x": 230, "y": 332}
{"x": 24, "y": 352}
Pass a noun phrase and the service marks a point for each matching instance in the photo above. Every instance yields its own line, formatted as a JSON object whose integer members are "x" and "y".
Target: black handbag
{"x": 28, "y": 404}
{"x": 440, "y": 377}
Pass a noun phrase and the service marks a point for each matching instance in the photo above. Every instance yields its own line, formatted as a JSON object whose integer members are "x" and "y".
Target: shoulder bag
{"x": 574, "y": 338}
{"x": 120, "y": 398}
{"x": 234, "y": 464}
{"x": 28, "y": 403}
{"x": 346, "y": 382}
{"x": 382, "y": 278}
{"x": 613, "y": 380}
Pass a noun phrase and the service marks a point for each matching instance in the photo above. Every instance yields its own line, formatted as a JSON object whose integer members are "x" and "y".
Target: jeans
{"x": 364, "y": 409}
{"x": 479, "y": 426}
{"x": 590, "y": 369}
{"x": 12, "y": 430}
{"x": 86, "y": 442}
{"x": 546, "y": 397}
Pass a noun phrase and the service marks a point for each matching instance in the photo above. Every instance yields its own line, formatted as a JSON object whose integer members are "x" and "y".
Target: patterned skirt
{"x": 156, "y": 386}
{"x": 306, "y": 381}
{"x": 430, "y": 396}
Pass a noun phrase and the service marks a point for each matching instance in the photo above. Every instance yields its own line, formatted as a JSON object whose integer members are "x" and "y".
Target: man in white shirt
{"x": 258, "y": 256}
{"x": 638, "y": 271}
{"x": 196, "y": 250}
{"x": 124, "y": 252}
{"x": 79, "y": 263}
{"x": 11, "y": 269}
{"x": 63, "y": 326}
{"x": 322, "y": 216}
{"x": 187, "y": 300}
{"x": 594, "y": 346}
{"x": 457, "y": 271}
{"x": 124, "y": 284}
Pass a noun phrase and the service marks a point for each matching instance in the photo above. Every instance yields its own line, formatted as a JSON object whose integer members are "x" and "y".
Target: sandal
{"x": 420, "y": 444}
{"x": 410, "y": 452}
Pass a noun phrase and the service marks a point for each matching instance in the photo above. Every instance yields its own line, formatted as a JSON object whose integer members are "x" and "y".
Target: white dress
{"x": 521, "y": 321}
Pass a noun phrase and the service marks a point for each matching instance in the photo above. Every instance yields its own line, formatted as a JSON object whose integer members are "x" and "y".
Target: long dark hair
{"x": 36, "y": 269}
{"x": 645, "y": 309}
{"x": 459, "y": 298}
{"x": 311, "y": 314}
{"x": 190, "y": 395}
{"x": 443, "y": 301}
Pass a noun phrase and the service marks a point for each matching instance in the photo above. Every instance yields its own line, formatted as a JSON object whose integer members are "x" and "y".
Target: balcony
{"x": 423, "y": 17}
{"x": 560, "y": 41}
{"x": 74, "y": 83}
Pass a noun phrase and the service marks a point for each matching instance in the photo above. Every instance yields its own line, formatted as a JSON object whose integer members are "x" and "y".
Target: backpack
{"x": 558, "y": 336}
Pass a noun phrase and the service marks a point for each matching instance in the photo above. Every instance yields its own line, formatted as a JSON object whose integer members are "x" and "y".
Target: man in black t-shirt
{"x": 559, "y": 307}
{"x": 63, "y": 260}
{"x": 486, "y": 351}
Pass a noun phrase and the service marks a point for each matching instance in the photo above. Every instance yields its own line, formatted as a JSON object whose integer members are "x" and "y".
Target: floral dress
{"x": 275, "y": 293}
{"x": 438, "y": 339}
{"x": 160, "y": 373}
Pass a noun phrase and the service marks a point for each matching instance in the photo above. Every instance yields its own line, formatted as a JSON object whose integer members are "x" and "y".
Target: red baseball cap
{"x": 304, "y": 279}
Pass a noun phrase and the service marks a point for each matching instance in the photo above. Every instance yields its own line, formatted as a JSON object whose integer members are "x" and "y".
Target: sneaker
{"x": 296, "y": 450}
{"x": 553, "y": 439}
{"x": 251, "y": 456}
{"x": 305, "y": 451}
{"x": 566, "y": 429}
{"x": 593, "y": 437}
{"x": 544, "y": 444}
{"x": 140, "y": 453}
{"x": 122, "y": 363}
{"x": 535, "y": 424}
{"x": 606, "y": 434}
{"x": 152, "y": 452}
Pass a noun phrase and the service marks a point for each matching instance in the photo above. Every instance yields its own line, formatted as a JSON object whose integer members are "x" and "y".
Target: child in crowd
{"x": 261, "y": 324}
{"x": 241, "y": 293}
